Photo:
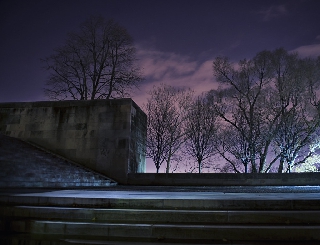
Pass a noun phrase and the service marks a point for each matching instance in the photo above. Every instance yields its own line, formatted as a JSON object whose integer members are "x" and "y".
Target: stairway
{"x": 146, "y": 217}
{"x": 26, "y": 166}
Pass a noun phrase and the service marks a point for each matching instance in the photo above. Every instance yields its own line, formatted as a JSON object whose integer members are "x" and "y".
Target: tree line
{"x": 264, "y": 117}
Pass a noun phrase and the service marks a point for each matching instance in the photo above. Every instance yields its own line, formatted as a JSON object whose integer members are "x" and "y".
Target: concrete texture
{"x": 180, "y": 215}
{"x": 107, "y": 136}
{"x": 26, "y": 166}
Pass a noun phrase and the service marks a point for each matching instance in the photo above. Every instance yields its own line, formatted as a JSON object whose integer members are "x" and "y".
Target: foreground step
{"x": 167, "y": 232}
{"x": 27, "y": 239}
{"x": 136, "y": 200}
{"x": 153, "y": 216}
{"x": 103, "y": 217}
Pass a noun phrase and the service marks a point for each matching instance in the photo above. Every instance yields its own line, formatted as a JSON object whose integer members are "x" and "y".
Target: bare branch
{"x": 95, "y": 63}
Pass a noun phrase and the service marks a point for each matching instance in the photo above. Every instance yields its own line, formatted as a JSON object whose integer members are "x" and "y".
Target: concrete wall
{"x": 107, "y": 136}
{"x": 223, "y": 179}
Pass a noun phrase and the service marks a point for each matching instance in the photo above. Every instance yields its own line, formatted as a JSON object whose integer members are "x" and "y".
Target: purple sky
{"x": 176, "y": 40}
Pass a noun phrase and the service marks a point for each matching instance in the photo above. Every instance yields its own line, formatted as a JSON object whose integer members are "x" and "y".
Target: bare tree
{"x": 266, "y": 101}
{"x": 165, "y": 130}
{"x": 296, "y": 83}
{"x": 239, "y": 105}
{"x": 95, "y": 63}
{"x": 200, "y": 131}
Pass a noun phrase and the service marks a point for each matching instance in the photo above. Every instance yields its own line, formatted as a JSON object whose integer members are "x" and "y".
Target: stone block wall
{"x": 107, "y": 136}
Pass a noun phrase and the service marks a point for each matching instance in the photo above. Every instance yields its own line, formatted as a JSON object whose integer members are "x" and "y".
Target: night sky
{"x": 176, "y": 40}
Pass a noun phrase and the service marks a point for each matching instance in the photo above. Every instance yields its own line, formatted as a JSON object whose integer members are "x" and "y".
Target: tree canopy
{"x": 97, "y": 62}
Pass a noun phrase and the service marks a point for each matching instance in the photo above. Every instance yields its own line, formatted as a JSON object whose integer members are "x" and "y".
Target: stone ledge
{"x": 223, "y": 179}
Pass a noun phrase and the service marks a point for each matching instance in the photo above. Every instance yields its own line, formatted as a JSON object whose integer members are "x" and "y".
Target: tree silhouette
{"x": 201, "y": 131}
{"x": 166, "y": 111}
{"x": 95, "y": 63}
{"x": 270, "y": 100}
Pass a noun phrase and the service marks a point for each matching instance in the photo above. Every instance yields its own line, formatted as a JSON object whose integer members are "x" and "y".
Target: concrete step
{"x": 204, "y": 217}
{"x": 37, "y": 240}
{"x": 103, "y": 242}
{"x": 88, "y": 216}
{"x": 113, "y": 199}
{"x": 167, "y": 232}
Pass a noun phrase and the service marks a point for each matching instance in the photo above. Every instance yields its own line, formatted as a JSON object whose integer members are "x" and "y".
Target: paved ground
{"x": 159, "y": 192}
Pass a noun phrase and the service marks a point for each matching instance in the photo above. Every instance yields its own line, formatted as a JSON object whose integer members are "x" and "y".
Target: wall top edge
{"x": 227, "y": 175}
{"x": 68, "y": 103}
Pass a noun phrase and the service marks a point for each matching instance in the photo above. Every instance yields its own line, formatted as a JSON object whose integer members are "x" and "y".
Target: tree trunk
{"x": 289, "y": 167}
{"x": 280, "y": 169}
{"x": 168, "y": 163}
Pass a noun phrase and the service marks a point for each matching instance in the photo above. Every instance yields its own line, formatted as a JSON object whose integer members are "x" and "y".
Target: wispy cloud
{"x": 173, "y": 69}
{"x": 159, "y": 65}
{"x": 184, "y": 72}
{"x": 308, "y": 50}
{"x": 273, "y": 12}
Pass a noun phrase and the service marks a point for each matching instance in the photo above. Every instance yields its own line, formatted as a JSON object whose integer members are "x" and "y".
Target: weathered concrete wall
{"x": 223, "y": 179}
{"x": 107, "y": 136}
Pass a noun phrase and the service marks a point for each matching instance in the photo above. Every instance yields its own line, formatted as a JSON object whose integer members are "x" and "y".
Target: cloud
{"x": 308, "y": 51}
{"x": 184, "y": 72}
{"x": 273, "y": 12}
{"x": 172, "y": 69}
{"x": 157, "y": 65}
